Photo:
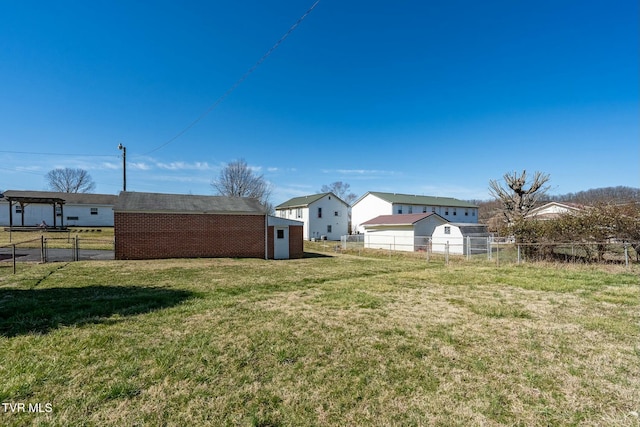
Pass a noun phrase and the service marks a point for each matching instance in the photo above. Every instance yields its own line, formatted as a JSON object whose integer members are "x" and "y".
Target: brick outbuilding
{"x": 154, "y": 226}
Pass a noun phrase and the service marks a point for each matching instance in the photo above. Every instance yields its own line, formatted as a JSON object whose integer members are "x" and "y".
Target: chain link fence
{"x": 56, "y": 249}
{"x": 493, "y": 249}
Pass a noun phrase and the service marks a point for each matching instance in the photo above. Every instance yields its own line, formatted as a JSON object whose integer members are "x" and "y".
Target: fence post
{"x": 468, "y": 248}
{"x": 488, "y": 249}
{"x": 446, "y": 253}
{"x": 498, "y": 255}
{"x": 13, "y": 255}
{"x": 518, "y": 254}
{"x": 42, "y": 248}
{"x": 626, "y": 255}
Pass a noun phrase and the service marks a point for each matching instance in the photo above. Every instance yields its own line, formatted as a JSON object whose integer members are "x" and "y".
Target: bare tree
{"x": 69, "y": 180}
{"x": 517, "y": 201}
{"x": 237, "y": 179}
{"x": 340, "y": 189}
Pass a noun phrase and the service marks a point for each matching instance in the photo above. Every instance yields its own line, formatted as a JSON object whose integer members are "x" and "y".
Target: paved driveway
{"x": 53, "y": 255}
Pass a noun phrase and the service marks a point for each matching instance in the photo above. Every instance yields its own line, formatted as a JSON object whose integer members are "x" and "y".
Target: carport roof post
{"x": 33, "y": 197}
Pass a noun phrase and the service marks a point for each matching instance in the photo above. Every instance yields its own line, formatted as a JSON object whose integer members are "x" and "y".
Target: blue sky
{"x": 418, "y": 97}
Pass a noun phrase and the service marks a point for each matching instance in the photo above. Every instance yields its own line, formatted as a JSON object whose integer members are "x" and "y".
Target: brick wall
{"x": 160, "y": 235}
{"x": 296, "y": 239}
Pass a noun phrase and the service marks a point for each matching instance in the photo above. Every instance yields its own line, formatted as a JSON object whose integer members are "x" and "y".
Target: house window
{"x": 447, "y": 230}
{"x": 410, "y": 209}
{"x": 94, "y": 211}
{"x": 18, "y": 209}
{"x": 336, "y": 213}
{"x": 446, "y": 211}
{"x": 280, "y": 234}
{"x": 399, "y": 210}
{"x": 299, "y": 213}
{"x": 473, "y": 212}
{"x": 433, "y": 210}
{"x": 72, "y": 218}
{"x": 424, "y": 209}
{"x": 466, "y": 212}
{"x": 319, "y": 212}
{"x": 328, "y": 228}
{"x": 58, "y": 211}
{"x": 455, "y": 212}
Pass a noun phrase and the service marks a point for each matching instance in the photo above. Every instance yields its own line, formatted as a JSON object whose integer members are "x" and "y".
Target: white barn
{"x": 408, "y": 232}
{"x": 374, "y": 204}
{"x": 457, "y": 236}
{"x": 325, "y": 215}
{"x": 77, "y": 210}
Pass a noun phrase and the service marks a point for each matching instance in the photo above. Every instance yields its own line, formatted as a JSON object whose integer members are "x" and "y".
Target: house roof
{"x": 547, "y": 210}
{"x": 408, "y": 199}
{"x": 130, "y": 201}
{"x": 69, "y": 198}
{"x": 304, "y": 201}
{"x": 406, "y": 219}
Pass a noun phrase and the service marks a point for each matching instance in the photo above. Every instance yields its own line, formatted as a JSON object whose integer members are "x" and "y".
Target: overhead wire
{"x": 238, "y": 82}
{"x": 55, "y": 154}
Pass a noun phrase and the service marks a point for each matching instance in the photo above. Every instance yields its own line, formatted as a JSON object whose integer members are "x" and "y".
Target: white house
{"x": 462, "y": 238}
{"x": 324, "y": 215}
{"x": 407, "y": 232}
{"x": 374, "y": 204}
{"x": 30, "y": 208}
{"x": 553, "y": 210}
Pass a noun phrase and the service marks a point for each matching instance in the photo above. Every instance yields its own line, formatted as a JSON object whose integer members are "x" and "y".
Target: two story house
{"x": 375, "y": 203}
{"x": 325, "y": 215}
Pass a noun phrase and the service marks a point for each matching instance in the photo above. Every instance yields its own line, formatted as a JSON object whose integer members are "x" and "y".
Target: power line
{"x": 56, "y": 154}
{"x": 238, "y": 82}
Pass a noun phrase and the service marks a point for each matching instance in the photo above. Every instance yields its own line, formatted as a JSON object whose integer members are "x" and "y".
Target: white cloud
{"x": 111, "y": 166}
{"x": 174, "y": 166}
{"x": 361, "y": 172}
{"x": 139, "y": 166}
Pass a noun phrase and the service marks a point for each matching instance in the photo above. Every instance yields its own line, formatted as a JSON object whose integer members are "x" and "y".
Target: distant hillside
{"x": 489, "y": 208}
{"x": 600, "y": 195}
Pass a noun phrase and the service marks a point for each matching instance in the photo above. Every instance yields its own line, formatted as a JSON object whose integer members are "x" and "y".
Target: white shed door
{"x": 281, "y": 243}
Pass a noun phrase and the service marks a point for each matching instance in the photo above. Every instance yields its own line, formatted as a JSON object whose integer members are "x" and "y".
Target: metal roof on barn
{"x": 130, "y": 201}
{"x": 406, "y": 219}
{"x": 408, "y": 199}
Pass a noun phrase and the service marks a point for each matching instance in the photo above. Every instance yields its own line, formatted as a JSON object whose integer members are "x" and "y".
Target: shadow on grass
{"x": 24, "y": 311}
{"x": 316, "y": 255}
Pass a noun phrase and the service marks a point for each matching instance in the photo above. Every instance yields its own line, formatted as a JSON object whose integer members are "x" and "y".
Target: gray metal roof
{"x": 69, "y": 198}
{"x": 304, "y": 201}
{"x": 130, "y": 201}
{"x": 409, "y": 199}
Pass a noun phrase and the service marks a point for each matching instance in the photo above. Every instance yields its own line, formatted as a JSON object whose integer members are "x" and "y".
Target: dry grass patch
{"x": 339, "y": 340}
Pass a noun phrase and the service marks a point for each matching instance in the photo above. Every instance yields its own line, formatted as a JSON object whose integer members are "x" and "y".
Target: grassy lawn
{"x": 324, "y": 340}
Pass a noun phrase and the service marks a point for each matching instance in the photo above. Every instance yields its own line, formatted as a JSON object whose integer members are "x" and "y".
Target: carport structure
{"x": 24, "y": 198}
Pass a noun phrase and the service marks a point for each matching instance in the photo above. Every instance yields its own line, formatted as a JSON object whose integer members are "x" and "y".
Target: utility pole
{"x": 124, "y": 166}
